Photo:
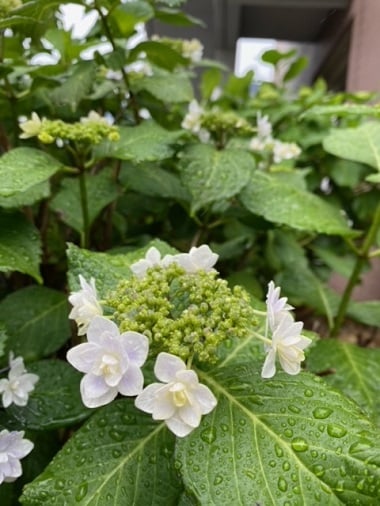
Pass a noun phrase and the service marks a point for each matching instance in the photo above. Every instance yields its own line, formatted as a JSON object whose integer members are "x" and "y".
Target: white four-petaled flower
{"x": 180, "y": 400}
{"x": 12, "y": 448}
{"x": 198, "y": 258}
{"x": 111, "y": 362}
{"x": 16, "y": 388}
{"x": 85, "y": 305}
{"x": 275, "y": 304}
{"x": 31, "y": 127}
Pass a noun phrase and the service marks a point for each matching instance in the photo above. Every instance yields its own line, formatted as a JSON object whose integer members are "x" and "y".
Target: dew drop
{"x": 308, "y": 392}
{"x": 334, "y": 430}
{"x": 224, "y": 427}
{"x": 314, "y": 454}
{"x": 279, "y": 451}
{"x": 322, "y": 413}
{"x": 286, "y": 466}
{"x": 318, "y": 470}
{"x": 81, "y": 492}
{"x": 102, "y": 422}
{"x": 340, "y": 486}
{"x": 116, "y": 435}
{"x": 218, "y": 479}
{"x": 116, "y": 453}
{"x": 299, "y": 444}
{"x": 60, "y": 484}
{"x": 288, "y": 432}
{"x": 282, "y": 484}
{"x": 360, "y": 485}
{"x": 208, "y": 435}
{"x": 362, "y": 445}
{"x": 294, "y": 409}
{"x": 272, "y": 463}
{"x": 250, "y": 474}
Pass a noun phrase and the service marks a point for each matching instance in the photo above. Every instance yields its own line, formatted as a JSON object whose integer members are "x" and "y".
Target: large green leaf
{"x": 159, "y": 54}
{"x": 20, "y": 245}
{"x": 26, "y": 198}
{"x": 342, "y": 110}
{"x": 288, "y": 440}
{"x": 153, "y": 181}
{"x": 107, "y": 269}
{"x": 171, "y": 88}
{"x": 146, "y": 142}
{"x": 367, "y": 312}
{"x": 211, "y": 175}
{"x": 281, "y": 203}
{"x": 56, "y": 400}
{"x": 101, "y": 191}
{"x": 353, "y": 370}
{"x": 36, "y": 321}
{"x": 361, "y": 144}
{"x": 119, "y": 457}
{"x": 22, "y": 169}
{"x": 126, "y": 16}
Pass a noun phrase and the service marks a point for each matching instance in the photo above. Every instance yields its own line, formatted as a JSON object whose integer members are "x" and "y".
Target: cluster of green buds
{"x": 191, "y": 49}
{"x": 91, "y": 129}
{"x": 7, "y": 6}
{"x": 216, "y": 121}
{"x": 187, "y": 314}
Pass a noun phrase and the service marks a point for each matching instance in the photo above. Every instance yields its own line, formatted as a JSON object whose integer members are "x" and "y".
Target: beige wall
{"x": 364, "y": 59}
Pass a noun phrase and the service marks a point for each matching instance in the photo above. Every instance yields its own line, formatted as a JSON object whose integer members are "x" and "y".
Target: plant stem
{"x": 362, "y": 257}
{"x": 109, "y": 35}
{"x": 84, "y": 240}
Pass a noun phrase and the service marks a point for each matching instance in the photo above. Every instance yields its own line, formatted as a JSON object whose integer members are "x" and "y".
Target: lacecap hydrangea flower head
{"x": 13, "y": 448}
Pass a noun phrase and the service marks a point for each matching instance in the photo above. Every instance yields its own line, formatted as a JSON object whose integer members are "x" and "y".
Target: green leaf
{"x": 177, "y": 17}
{"x": 3, "y": 339}
{"x": 55, "y": 401}
{"x": 210, "y": 80}
{"x": 158, "y": 53}
{"x": 22, "y": 169}
{"x": 367, "y": 312}
{"x": 126, "y": 16}
{"x": 342, "y": 110}
{"x": 146, "y": 142}
{"x": 101, "y": 191}
{"x": 125, "y": 458}
{"x": 296, "y": 68}
{"x": 338, "y": 263}
{"x": 36, "y": 321}
{"x": 273, "y": 56}
{"x": 353, "y": 370}
{"x": 280, "y": 203}
{"x": 33, "y": 194}
{"x": 170, "y": 88}
{"x": 20, "y": 245}
{"x": 153, "y": 181}
{"x": 211, "y": 175}
{"x": 286, "y": 440}
{"x": 361, "y": 144}
{"x": 107, "y": 269}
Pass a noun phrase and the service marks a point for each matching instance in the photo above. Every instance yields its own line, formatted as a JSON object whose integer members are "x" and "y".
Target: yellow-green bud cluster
{"x": 90, "y": 132}
{"x": 188, "y": 315}
{"x": 6, "y": 6}
{"x": 226, "y": 121}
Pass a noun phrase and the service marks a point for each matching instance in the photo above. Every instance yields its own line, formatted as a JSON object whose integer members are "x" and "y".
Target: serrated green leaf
{"x": 153, "y": 181}
{"x": 146, "y": 142}
{"x": 367, "y": 312}
{"x": 211, "y": 175}
{"x": 361, "y": 144}
{"x": 20, "y": 245}
{"x": 170, "y": 88}
{"x": 125, "y": 459}
{"x": 280, "y": 440}
{"x": 36, "y": 321}
{"x": 33, "y": 194}
{"x": 353, "y": 370}
{"x": 101, "y": 191}
{"x": 55, "y": 401}
{"x": 23, "y": 168}
{"x": 107, "y": 269}
{"x": 281, "y": 203}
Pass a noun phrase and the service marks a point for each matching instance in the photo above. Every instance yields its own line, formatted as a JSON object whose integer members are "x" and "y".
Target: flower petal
{"x": 205, "y": 398}
{"x": 147, "y": 399}
{"x": 269, "y": 367}
{"x": 100, "y": 326}
{"x": 190, "y": 414}
{"x": 82, "y": 356}
{"x": 167, "y": 366}
{"x": 132, "y": 382}
{"x": 95, "y": 392}
{"x": 136, "y": 346}
{"x": 178, "y": 427}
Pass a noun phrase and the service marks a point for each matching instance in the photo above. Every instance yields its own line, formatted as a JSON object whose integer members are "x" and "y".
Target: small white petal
{"x": 147, "y": 399}
{"x": 99, "y": 327}
{"x": 136, "y": 346}
{"x": 95, "y": 392}
{"x": 206, "y": 399}
{"x": 167, "y": 366}
{"x": 190, "y": 415}
{"x": 132, "y": 382}
{"x": 82, "y": 356}
{"x": 178, "y": 427}
{"x": 269, "y": 367}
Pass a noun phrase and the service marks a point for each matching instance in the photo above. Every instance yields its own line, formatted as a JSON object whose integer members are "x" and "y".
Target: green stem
{"x": 85, "y": 235}
{"x": 109, "y": 35}
{"x": 262, "y": 338}
{"x": 362, "y": 257}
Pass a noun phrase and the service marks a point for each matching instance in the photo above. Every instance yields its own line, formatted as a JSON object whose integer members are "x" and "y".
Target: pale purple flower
{"x": 12, "y": 449}
{"x": 198, "y": 258}
{"x": 111, "y": 362}
{"x": 16, "y": 388}
{"x": 275, "y": 305}
{"x": 85, "y": 305}
{"x": 180, "y": 400}
{"x": 288, "y": 344}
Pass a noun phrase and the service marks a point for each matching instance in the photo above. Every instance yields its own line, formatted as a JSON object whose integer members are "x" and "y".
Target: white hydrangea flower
{"x": 285, "y": 151}
{"x": 198, "y": 258}
{"x": 192, "y": 49}
{"x": 257, "y": 144}
{"x": 264, "y": 127}
{"x": 12, "y": 449}
{"x": 275, "y": 305}
{"x": 152, "y": 258}
{"x": 94, "y": 117}
{"x": 192, "y": 120}
{"x": 85, "y": 305}
{"x": 180, "y": 400}
{"x": 16, "y": 388}
{"x": 31, "y": 127}
{"x": 288, "y": 344}
{"x": 111, "y": 362}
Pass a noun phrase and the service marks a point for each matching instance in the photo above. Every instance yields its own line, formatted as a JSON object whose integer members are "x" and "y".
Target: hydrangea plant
{"x": 170, "y": 372}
